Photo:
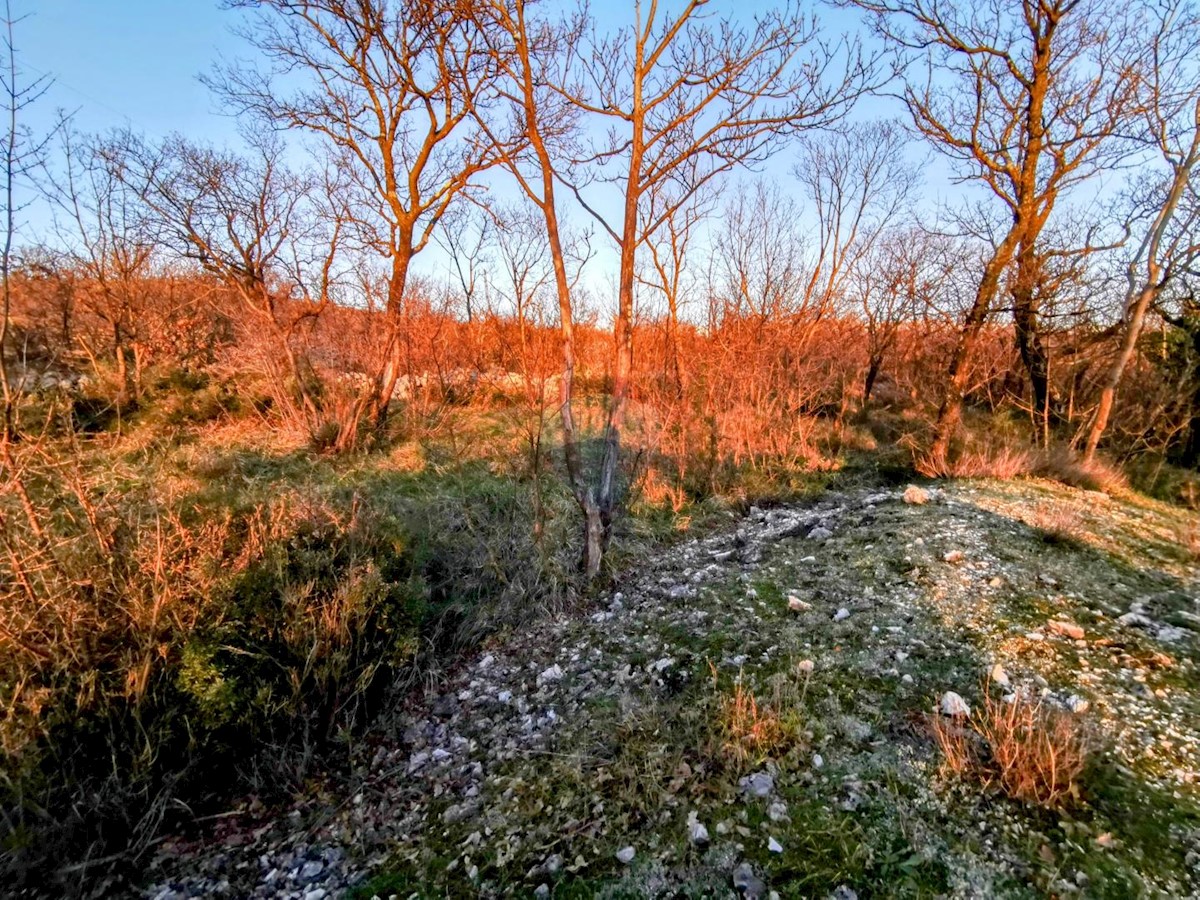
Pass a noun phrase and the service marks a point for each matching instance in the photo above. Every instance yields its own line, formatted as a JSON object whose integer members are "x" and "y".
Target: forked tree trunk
{"x": 1138, "y": 303}
{"x": 1030, "y": 346}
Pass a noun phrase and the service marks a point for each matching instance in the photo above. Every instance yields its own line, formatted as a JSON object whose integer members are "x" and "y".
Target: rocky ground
{"x": 748, "y": 716}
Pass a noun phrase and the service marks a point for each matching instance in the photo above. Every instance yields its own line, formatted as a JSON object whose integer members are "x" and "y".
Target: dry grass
{"x": 1000, "y": 459}
{"x": 1033, "y": 753}
{"x": 1001, "y": 462}
{"x": 751, "y": 729}
{"x": 1188, "y": 536}
{"x": 204, "y": 619}
{"x": 1059, "y": 522}
{"x": 1060, "y": 464}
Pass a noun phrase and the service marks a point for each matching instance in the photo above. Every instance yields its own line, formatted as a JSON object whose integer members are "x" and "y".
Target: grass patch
{"x": 1033, "y": 753}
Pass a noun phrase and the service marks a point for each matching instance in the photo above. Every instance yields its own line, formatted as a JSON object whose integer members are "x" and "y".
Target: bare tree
{"x": 388, "y": 88}
{"x": 251, "y": 221}
{"x": 898, "y": 282}
{"x": 532, "y": 55}
{"x": 859, "y": 184}
{"x": 671, "y": 249}
{"x": 674, "y": 89}
{"x": 525, "y": 264}
{"x": 112, "y": 247}
{"x": 762, "y": 262}
{"x": 1169, "y": 103}
{"x": 1025, "y": 98}
{"x": 465, "y": 233}
{"x": 22, "y": 154}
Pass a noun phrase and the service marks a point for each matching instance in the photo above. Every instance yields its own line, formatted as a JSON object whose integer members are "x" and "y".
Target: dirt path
{"x": 616, "y": 754}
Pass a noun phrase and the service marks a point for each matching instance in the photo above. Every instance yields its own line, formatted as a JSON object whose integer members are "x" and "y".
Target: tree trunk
{"x": 1030, "y": 345}
{"x": 873, "y": 368}
{"x": 950, "y": 413}
{"x": 378, "y": 401}
{"x": 1133, "y": 330}
{"x": 1135, "y": 312}
{"x": 622, "y": 332}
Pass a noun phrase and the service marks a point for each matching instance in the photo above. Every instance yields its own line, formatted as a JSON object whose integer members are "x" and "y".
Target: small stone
{"x": 953, "y": 704}
{"x": 906, "y": 678}
{"x": 552, "y": 674}
{"x": 777, "y": 811}
{"x": 311, "y": 869}
{"x": 843, "y": 892}
{"x": 998, "y": 675}
{"x": 841, "y": 615}
{"x": 315, "y": 894}
{"x": 1170, "y": 634}
{"x": 760, "y": 784}
{"x": 1076, "y": 704}
{"x": 697, "y": 832}
{"x": 460, "y": 813}
{"x": 954, "y": 556}
{"x": 818, "y": 761}
{"x": 915, "y": 496}
{"x": 444, "y": 707}
{"x": 542, "y": 890}
{"x": 750, "y": 885}
{"x": 795, "y": 604}
{"x": 1066, "y": 629}
{"x": 625, "y": 855}
{"x": 417, "y": 760}
{"x": 820, "y": 533}
{"x": 504, "y": 696}
{"x": 774, "y": 846}
{"x": 1135, "y": 619}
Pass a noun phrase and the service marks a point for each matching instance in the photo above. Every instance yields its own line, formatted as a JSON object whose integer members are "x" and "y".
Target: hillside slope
{"x": 752, "y": 713}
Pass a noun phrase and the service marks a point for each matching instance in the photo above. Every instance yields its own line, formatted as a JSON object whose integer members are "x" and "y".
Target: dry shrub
{"x": 1061, "y": 464}
{"x": 983, "y": 459}
{"x": 160, "y": 649}
{"x": 153, "y": 651}
{"x": 659, "y": 490}
{"x": 1188, "y": 536}
{"x": 751, "y": 729}
{"x": 1033, "y": 753}
{"x": 1059, "y": 522}
{"x": 1003, "y": 462}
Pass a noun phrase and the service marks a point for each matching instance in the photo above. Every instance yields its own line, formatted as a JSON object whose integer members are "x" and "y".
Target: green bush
{"x": 150, "y": 652}
{"x": 164, "y": 641}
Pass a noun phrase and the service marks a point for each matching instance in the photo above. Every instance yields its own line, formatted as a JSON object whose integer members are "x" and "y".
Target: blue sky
{"x": 135, "y": 63}
{"x": 127, "y": 62}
